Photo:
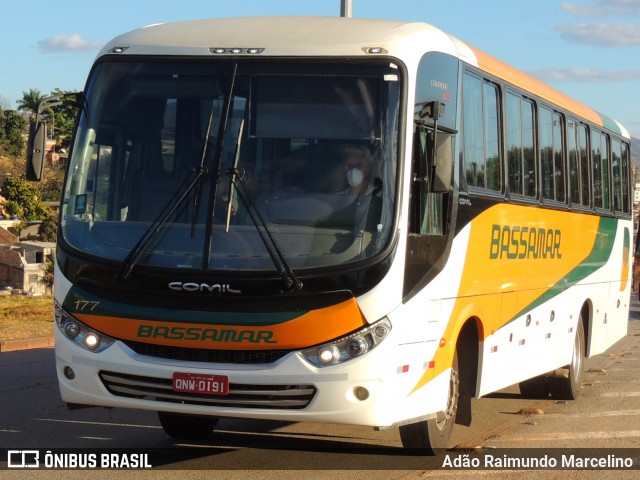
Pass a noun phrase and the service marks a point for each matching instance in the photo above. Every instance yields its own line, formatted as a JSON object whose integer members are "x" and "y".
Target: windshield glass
{"x": 162, "y": 150}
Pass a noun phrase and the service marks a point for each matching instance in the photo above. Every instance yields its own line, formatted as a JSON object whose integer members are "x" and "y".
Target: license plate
{"x": 200, "y": 383}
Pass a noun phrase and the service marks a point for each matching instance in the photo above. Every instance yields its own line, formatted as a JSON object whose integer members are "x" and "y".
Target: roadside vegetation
{"x": 23, "y": 199}
{"x": 22, "y": 316}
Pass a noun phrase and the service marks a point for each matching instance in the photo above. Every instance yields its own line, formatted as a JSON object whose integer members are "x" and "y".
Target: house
{"x": 23, "y": 265}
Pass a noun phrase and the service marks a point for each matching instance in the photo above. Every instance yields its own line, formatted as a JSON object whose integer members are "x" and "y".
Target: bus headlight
{"x": 349, "y": 347}
{"x": 79, "y": 333}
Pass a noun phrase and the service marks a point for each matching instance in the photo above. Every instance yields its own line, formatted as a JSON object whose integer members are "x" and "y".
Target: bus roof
{"x": 332, "y": 36}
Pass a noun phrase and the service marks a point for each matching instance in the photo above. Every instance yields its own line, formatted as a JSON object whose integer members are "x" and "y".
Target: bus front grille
{"x": 240, "y": 395}
{"x": 205, "y": 355}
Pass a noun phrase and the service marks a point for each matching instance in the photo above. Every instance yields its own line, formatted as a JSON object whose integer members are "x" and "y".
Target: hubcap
{"x": 452, "y": 401}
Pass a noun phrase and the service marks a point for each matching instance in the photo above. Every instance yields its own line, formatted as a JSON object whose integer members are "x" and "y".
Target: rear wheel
{"x": 187, "y": 426}
{"x": 432, "y": 436}
{"x": 568, "y": 387}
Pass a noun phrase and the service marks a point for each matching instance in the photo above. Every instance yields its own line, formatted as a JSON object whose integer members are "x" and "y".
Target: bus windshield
{"x": 199, "y": 165}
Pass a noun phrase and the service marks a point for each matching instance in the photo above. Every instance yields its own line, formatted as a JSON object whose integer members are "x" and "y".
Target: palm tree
{"x": 30, "y": 100}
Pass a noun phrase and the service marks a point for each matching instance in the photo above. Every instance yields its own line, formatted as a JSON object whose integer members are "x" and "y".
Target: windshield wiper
{"x": 181, "y": 194}
{"x": 291, "y": 282}
{"x": 196, "y": 197}
{"x": 232, "y": 177}
{"x": 136, "y": 252}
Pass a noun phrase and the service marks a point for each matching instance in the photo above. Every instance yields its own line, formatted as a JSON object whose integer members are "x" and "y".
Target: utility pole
{"x": 345, "y": 8}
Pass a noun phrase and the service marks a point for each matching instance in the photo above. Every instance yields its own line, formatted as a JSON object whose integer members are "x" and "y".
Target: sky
{"x": 588, "y": 49}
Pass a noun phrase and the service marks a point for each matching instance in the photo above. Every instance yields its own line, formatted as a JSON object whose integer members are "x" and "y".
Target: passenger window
{"x": 583, "y": 158}
{"x": 482, "y": 166}
{"x": 626, "y": 199}
{"x": 600, "y": 165}
{"x": 578, "y": 163}
{"x": 620, "y": 167}
{"x": 520, "y": 151}
{"x": 551, "y": 154}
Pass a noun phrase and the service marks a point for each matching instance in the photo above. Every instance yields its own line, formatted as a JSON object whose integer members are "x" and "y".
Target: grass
{"x": 25, "y": 317}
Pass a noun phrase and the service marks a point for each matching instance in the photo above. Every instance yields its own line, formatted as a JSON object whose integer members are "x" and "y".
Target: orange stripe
{"x": 494, "y": 290}
{"x": 311, "y": 328}
{"x": 522, "y": 80}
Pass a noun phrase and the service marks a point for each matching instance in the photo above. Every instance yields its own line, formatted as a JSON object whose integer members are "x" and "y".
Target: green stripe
{"x": 610, "y": 124}
{"x": 599, "y": 255}
{"x": 82, "y": 302}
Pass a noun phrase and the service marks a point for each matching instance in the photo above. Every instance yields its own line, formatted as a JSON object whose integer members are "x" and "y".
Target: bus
{"x": 338, "y": 220}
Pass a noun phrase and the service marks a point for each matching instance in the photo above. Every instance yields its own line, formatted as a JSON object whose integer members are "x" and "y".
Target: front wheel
{"x": 432, "y": 436}
{"x": 187, "y": 426}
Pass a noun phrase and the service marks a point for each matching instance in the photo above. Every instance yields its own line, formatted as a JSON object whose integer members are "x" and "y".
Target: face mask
{"x": 354, "y": 177}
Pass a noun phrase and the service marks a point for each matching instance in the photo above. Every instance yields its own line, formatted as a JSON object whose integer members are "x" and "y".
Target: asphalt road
{"x": 604, "y": 419}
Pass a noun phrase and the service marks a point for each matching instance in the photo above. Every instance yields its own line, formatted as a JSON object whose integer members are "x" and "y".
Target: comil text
{"x": 520, "y": 242}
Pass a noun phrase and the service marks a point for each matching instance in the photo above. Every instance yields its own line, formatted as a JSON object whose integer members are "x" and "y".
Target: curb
{"x": 26, "y": 343}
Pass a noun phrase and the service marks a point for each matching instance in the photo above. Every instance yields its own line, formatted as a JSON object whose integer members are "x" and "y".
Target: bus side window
{"x": 521, "y": 165}
{"x": 600, "y": 165}
{"x": 620, "y": 167}
{"x": 481, "y": 138}
{"x": 579, "y": 186}
{"x": 550, "y": 125}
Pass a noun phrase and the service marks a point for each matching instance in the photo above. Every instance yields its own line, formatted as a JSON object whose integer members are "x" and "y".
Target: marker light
{"x": 236, "y": 51}
{"x": 79, "y": 333}
{"x": 374, "y": 50}
{"x": 349, "y": 347}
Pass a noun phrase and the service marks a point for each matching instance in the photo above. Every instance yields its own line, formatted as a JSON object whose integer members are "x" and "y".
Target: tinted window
{"x": 482, "y": 164}
{"x": 520, "y": 154}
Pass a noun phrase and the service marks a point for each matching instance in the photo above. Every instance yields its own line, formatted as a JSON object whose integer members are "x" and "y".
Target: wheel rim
{"x": 452, "y": 401}
{"x": 576, "y": 359}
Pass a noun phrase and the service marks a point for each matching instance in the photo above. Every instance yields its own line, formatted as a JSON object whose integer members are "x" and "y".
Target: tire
{"x": 432, "y": 436}
{"x": 187, "y": 426}
{"x": 569, "y": 388}
{"x": 534, "y": 388}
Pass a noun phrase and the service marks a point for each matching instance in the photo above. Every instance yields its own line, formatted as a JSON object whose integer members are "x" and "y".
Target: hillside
{"x": 635, "y": 153}
{"x": 51, "y": 186}
{"x": 11, "y": 166}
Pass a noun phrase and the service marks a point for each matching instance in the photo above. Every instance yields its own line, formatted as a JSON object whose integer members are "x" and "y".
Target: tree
{"x": 26, "y": 196}
{"x": 48, "y": 229}
{"x": 51, "y": 185}
{"x": 64, "y": 116}
{"x": 30, "y": 100}
{"x": 13, "y": 208}
{"x": 60, "y": 118}
{"x": 12, "y": 126}
{"x": 2, "y": 121}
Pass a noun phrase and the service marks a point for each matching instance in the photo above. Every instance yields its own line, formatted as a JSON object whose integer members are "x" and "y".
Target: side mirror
{"x": 439, "y": 153}
{"x": 36, "y": 149}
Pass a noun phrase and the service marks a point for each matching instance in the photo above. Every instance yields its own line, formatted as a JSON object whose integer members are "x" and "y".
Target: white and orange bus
{"x": 332, "y": 220}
